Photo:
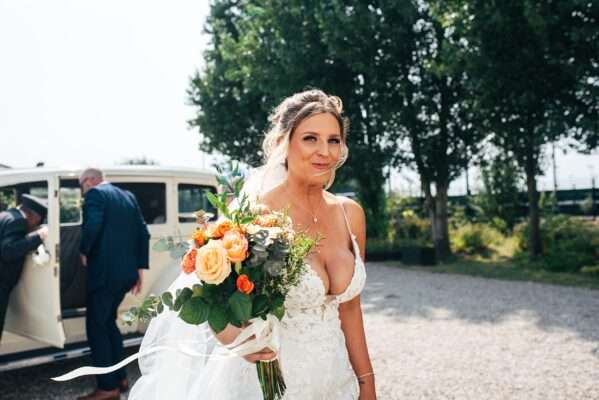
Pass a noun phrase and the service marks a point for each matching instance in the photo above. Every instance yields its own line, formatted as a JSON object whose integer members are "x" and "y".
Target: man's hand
{"x": 43, "y": 233}
{"x": 137, "y": 287}
{"x": 83, "y": 259}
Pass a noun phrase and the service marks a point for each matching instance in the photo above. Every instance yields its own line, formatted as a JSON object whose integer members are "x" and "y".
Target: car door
{"x": 34, "y": 307}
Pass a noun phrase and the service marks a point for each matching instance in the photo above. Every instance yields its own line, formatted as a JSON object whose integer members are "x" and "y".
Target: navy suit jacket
{"x": 15, "y": 243}
{"x": 114, "y": 237}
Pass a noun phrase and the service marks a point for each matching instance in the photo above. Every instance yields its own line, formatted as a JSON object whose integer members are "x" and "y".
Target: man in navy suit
{"x": 115, "y": 249}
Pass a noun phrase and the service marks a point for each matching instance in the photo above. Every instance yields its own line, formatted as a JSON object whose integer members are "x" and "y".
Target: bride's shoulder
{"x": 354, "y": 211}
{"x": 272, "y": 198}
{"x": 350, "y": 205}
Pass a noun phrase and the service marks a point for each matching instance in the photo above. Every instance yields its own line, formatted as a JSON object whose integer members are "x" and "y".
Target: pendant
{"x": 315, "y": 220}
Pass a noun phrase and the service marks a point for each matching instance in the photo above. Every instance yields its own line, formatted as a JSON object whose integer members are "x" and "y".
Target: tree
{"x": 500, "y": 196}
{"x": 433, "y": 113}
{"x": 535, "y": 69}
{"x": 263, "y": 51}
{"x": 396, "y": 65}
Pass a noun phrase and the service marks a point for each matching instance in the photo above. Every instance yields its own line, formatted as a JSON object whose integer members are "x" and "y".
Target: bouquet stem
{"x": 271, "y": 380}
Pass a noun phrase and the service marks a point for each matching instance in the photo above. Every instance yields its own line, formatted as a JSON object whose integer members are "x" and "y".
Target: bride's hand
{"x": 230, "y": 333}
{"x": 265, "y": 354}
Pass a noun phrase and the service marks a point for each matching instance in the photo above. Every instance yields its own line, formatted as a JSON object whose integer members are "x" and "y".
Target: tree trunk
{"x": 534, "y": 235}
{"x": 439, "y": 221}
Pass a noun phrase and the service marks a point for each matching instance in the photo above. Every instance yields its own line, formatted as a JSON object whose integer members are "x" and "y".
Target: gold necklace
{"x": 315, "y": 213}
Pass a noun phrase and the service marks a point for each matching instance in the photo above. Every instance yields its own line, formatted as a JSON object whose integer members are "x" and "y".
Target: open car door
{"x": 34, "y": 309}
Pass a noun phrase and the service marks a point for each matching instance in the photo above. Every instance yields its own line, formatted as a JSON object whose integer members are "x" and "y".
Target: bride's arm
{"x": 228, "y": 335}
{"x": 350, "y": 314}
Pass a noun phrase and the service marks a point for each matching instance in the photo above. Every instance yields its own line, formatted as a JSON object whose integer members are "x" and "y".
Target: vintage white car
{"x": 46, "y": 316}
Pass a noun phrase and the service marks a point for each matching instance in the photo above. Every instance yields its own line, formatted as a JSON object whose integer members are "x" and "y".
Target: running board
{"x": 50, "y": 354}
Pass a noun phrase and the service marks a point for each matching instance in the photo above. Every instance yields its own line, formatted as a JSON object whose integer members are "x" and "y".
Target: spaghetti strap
{"x": 346, "y": 219}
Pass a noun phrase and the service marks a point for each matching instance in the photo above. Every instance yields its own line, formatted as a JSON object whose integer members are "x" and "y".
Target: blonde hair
{"x": 288, "y": 115}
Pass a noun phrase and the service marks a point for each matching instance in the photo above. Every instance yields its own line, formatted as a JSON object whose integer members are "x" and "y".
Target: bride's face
{"x": 315, "y": 148}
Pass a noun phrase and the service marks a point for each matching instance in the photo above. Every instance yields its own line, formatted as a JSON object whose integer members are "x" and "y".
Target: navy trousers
{"x": 104, "y": 337}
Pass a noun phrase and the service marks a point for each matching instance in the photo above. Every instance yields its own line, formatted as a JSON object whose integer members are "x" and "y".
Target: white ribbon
{"x": 98, "y": 370}
{"x": 41, "y": 256}
{"x": 266, "y": 333}
{"x": 258, "y": 335}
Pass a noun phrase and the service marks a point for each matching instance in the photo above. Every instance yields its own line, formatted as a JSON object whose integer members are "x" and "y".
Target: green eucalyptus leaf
{"x": 167, "y": 299}
{"x": 161, "y": 245}
{"x": 178, "y": 250}
{"x": 247, "y": 220}
{"x": 213, "y": 200}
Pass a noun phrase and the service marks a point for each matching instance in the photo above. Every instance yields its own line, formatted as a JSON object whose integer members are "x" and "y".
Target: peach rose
{"x": 199, "y": 237}
{"x": 212, "y": 264}
{"x": 189, "y": 261}
{"x": 219, "y": 229}
{"x": 244, "y": 285}
{"x": 266, "y": 221}
{"x": 236, "y": 245}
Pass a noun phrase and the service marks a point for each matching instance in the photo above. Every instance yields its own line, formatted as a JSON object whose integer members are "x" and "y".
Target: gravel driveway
{"x": 439, "y": 336}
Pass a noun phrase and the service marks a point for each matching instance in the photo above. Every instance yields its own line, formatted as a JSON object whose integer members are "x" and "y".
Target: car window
{"x": 70, "y": 201}
{"x": 192, "y": 198}
{"x": 151, "y": 197}
{"x": 11, "y": 195}
{"x": 8, "y": 198}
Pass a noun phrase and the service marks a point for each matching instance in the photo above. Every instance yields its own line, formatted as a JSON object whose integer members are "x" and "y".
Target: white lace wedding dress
{"x": 313, "y": 355}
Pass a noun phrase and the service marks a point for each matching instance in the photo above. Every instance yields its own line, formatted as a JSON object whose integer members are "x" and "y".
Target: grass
{"x": 507, "y": 270}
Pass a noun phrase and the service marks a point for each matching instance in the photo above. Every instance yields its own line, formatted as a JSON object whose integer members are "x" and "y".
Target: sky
{"x": 96, "y": 82}
{"x": 87, "y": 82}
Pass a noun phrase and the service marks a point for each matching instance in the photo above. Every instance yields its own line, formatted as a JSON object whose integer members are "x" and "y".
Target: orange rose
{"x": 218, "y": 231}
{"x": 236, "y": 245}
{"x": 189, "y": 261}
{"x": 199, "y": 237}
{"x": 244, "y": 285}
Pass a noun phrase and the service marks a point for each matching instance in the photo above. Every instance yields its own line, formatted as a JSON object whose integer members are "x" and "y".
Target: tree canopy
{"x": 424, "y": 83}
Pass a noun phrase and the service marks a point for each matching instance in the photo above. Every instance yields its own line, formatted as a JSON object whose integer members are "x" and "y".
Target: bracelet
{"x": 365, "y": 375}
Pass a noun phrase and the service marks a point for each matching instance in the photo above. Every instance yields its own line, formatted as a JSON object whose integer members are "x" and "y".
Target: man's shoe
{"x": 99, "y": 394}
{"x": 124, "y": 385}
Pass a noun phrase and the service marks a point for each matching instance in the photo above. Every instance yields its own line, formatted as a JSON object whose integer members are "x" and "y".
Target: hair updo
{"x": 290, "y": 113}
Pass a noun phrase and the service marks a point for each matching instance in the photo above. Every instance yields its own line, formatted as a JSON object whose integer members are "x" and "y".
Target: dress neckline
{"x": 357, "y": 259}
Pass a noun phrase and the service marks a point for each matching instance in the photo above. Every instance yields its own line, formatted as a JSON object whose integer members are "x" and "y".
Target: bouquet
{"x": 246, "y": 262}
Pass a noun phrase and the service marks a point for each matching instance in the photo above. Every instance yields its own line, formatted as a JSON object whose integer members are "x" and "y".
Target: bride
{"x": 323, "y": 352}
